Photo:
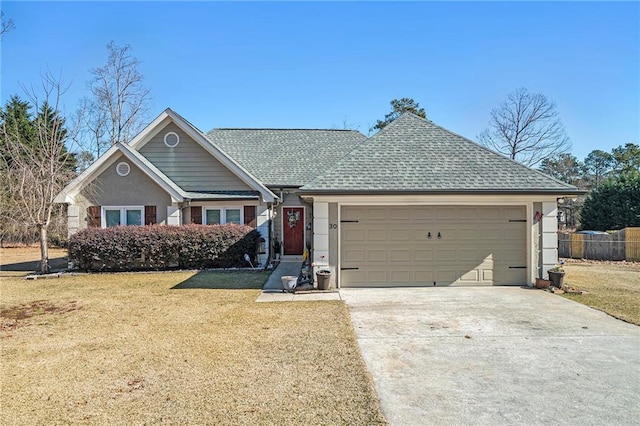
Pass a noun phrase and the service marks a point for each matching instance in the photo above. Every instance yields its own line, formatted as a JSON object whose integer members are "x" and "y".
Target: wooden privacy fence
{"x": 617, "y": 245}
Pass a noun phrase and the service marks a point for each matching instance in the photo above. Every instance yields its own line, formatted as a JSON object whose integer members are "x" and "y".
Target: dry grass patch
{"x": 611, "y": 287}
{"x": 178, "y": 347}
{"x": 20, "y": 260}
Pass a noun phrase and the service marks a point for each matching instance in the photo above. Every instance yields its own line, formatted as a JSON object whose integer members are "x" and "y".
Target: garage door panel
{"x": 421, "y": 255}
{"x": 448, "y": 276}
{"x": 470, "y": 276}
{"x": 477, "y": 245}
{"x": 377, "y": 255}
{"x": 468, "y": 255}
{"x": 404, "y": 234}
{"x": 400, "y": 255}
{"x": 511, "y": 256}
{"x": 514, "y": 213}
{"x": 353, "y": 235}
{"x": 376, "y": 213}
{"x": 376, "y": 234}
{"x": 512, "y": 233}
{"x": 401, "y": 276}
{"x": 444, "y": 255}
{"x": 399, "y": 214}
{"x": 423, "y": 276}
{"x": 353, "y": 255}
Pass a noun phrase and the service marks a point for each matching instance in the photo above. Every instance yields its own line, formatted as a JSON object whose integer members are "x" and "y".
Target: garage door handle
{"x": 349, "y": 221}
{"x": 517, "y": 267}
{"x": 348, "y": 269}
{"x": 518, "y": 220}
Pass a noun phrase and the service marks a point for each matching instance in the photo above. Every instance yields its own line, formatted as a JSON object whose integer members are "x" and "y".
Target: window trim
{"x": 123, "y": 214}
{"x": 223, "y": 213}
{"x": 171, "y": 134}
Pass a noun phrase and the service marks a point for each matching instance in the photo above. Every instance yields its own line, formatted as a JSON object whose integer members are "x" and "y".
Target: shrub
{"x": 128, "y": 248}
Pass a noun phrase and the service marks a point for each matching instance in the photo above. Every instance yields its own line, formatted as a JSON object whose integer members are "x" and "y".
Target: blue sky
{"x": 321, "y": 64}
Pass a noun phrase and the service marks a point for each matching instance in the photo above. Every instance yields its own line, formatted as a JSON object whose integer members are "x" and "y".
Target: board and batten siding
{"x": 189, "y": 165}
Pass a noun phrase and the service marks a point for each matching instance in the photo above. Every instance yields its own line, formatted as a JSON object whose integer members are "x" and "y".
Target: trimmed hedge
{"x": 129, "y": 248}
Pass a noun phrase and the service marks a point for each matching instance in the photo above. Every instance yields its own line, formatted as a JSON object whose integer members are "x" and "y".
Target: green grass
{"x": 176, "y": 347}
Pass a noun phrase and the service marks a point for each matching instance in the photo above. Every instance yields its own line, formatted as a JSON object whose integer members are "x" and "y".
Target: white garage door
{"x": 432, "y": 245}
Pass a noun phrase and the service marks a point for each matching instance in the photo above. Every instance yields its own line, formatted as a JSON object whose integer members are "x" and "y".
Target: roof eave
{"x": 558, "y": 192}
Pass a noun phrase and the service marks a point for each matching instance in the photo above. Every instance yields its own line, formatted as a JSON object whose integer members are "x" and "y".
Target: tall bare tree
{"x": 119, "y": 102}
{"x": 527, "y": 128}
{"x": 6, "y": 25}
{"x": 35, "y": 170}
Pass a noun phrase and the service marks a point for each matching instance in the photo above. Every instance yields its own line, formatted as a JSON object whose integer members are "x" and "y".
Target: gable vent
{"x": 171, "y": 139}
{"x": 123, "y": 169}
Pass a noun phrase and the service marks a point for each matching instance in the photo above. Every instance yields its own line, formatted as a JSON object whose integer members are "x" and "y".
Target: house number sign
{"x": 333, "y": 226}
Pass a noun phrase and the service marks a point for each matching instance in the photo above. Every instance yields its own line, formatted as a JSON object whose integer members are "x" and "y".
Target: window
{"x": 233, "y": 216}
{"x": 116, "y": 216}
{"x": 171, "y": 139}
{"x": 213, "y": 217}
{"x": 221, "y": 215}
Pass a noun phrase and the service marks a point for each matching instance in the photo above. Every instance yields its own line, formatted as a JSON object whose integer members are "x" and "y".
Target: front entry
{"x": 293, "y": 230}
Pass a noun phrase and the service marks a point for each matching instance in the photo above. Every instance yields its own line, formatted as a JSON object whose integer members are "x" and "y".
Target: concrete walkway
{"x": 272, "y": 290}
{"x": 495, "y": 356}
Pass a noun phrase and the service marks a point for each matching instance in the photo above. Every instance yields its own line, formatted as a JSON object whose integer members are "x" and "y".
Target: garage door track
{"x": 497, "y": 355}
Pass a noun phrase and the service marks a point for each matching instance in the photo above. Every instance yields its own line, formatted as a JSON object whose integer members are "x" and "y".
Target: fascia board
{"x": 68, "y": 193}
{"x": 156, "y": 175}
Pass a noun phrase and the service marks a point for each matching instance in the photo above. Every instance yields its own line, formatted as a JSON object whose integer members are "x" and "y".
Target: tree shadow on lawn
{"x": 56, "y": 264}
{"x": 225, "y": 280}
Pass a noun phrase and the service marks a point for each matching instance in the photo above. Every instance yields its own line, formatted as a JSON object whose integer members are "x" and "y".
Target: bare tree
{"x": 526, "y": 128}
{"x": 118, "y": 106}
{"x": 6, "y": 25}
{"x": 39, "y": 168}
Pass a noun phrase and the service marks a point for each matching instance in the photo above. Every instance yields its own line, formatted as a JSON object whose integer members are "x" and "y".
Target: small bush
{"x": 128, "y": 248}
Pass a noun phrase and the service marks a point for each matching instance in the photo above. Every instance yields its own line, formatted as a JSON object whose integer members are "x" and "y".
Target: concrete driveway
{"x": 498, "y": 355}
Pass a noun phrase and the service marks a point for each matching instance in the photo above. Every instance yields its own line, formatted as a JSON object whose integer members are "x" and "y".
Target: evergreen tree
{"x": 51, "y": 126}
{"x": 399, "y": 106}
{"x": 597, "y": 166}
{"x": 17, "y": 125}
{"x": 615, "y": 204}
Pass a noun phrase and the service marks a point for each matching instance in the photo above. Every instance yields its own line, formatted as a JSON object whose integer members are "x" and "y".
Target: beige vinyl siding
{"x": 189, "y": 165}
{"x": 433, "y": 245}
{"x": 111, "y": 189}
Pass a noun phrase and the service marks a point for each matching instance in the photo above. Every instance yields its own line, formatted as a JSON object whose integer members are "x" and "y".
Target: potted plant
{"x": 542, "y": 283}
{"x": 556, "y": 275}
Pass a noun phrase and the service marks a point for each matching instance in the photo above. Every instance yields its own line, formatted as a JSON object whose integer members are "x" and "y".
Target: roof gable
{"x": 108, "y": 159}
{"x": 178, "y": 194}
{"x": 414, "y": 155}
{"x": 211, "y": 148}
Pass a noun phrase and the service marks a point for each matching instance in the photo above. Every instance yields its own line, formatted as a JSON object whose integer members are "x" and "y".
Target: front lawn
{"x": 176, "y": 347}
{"x": 612, "y": 287}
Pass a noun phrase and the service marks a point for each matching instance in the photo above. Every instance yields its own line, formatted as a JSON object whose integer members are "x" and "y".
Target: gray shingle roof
{"x": 414, "y": 155}
{"x": 285, "y": 157}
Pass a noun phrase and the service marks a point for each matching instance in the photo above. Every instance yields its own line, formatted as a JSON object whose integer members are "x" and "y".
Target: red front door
{"x": 293, "y": 230}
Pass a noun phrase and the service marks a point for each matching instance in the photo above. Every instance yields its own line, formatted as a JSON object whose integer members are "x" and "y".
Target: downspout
{"x": 185, "y": 204}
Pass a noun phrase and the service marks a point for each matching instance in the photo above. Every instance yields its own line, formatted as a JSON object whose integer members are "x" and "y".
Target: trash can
{"x": 324, "y": 277}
